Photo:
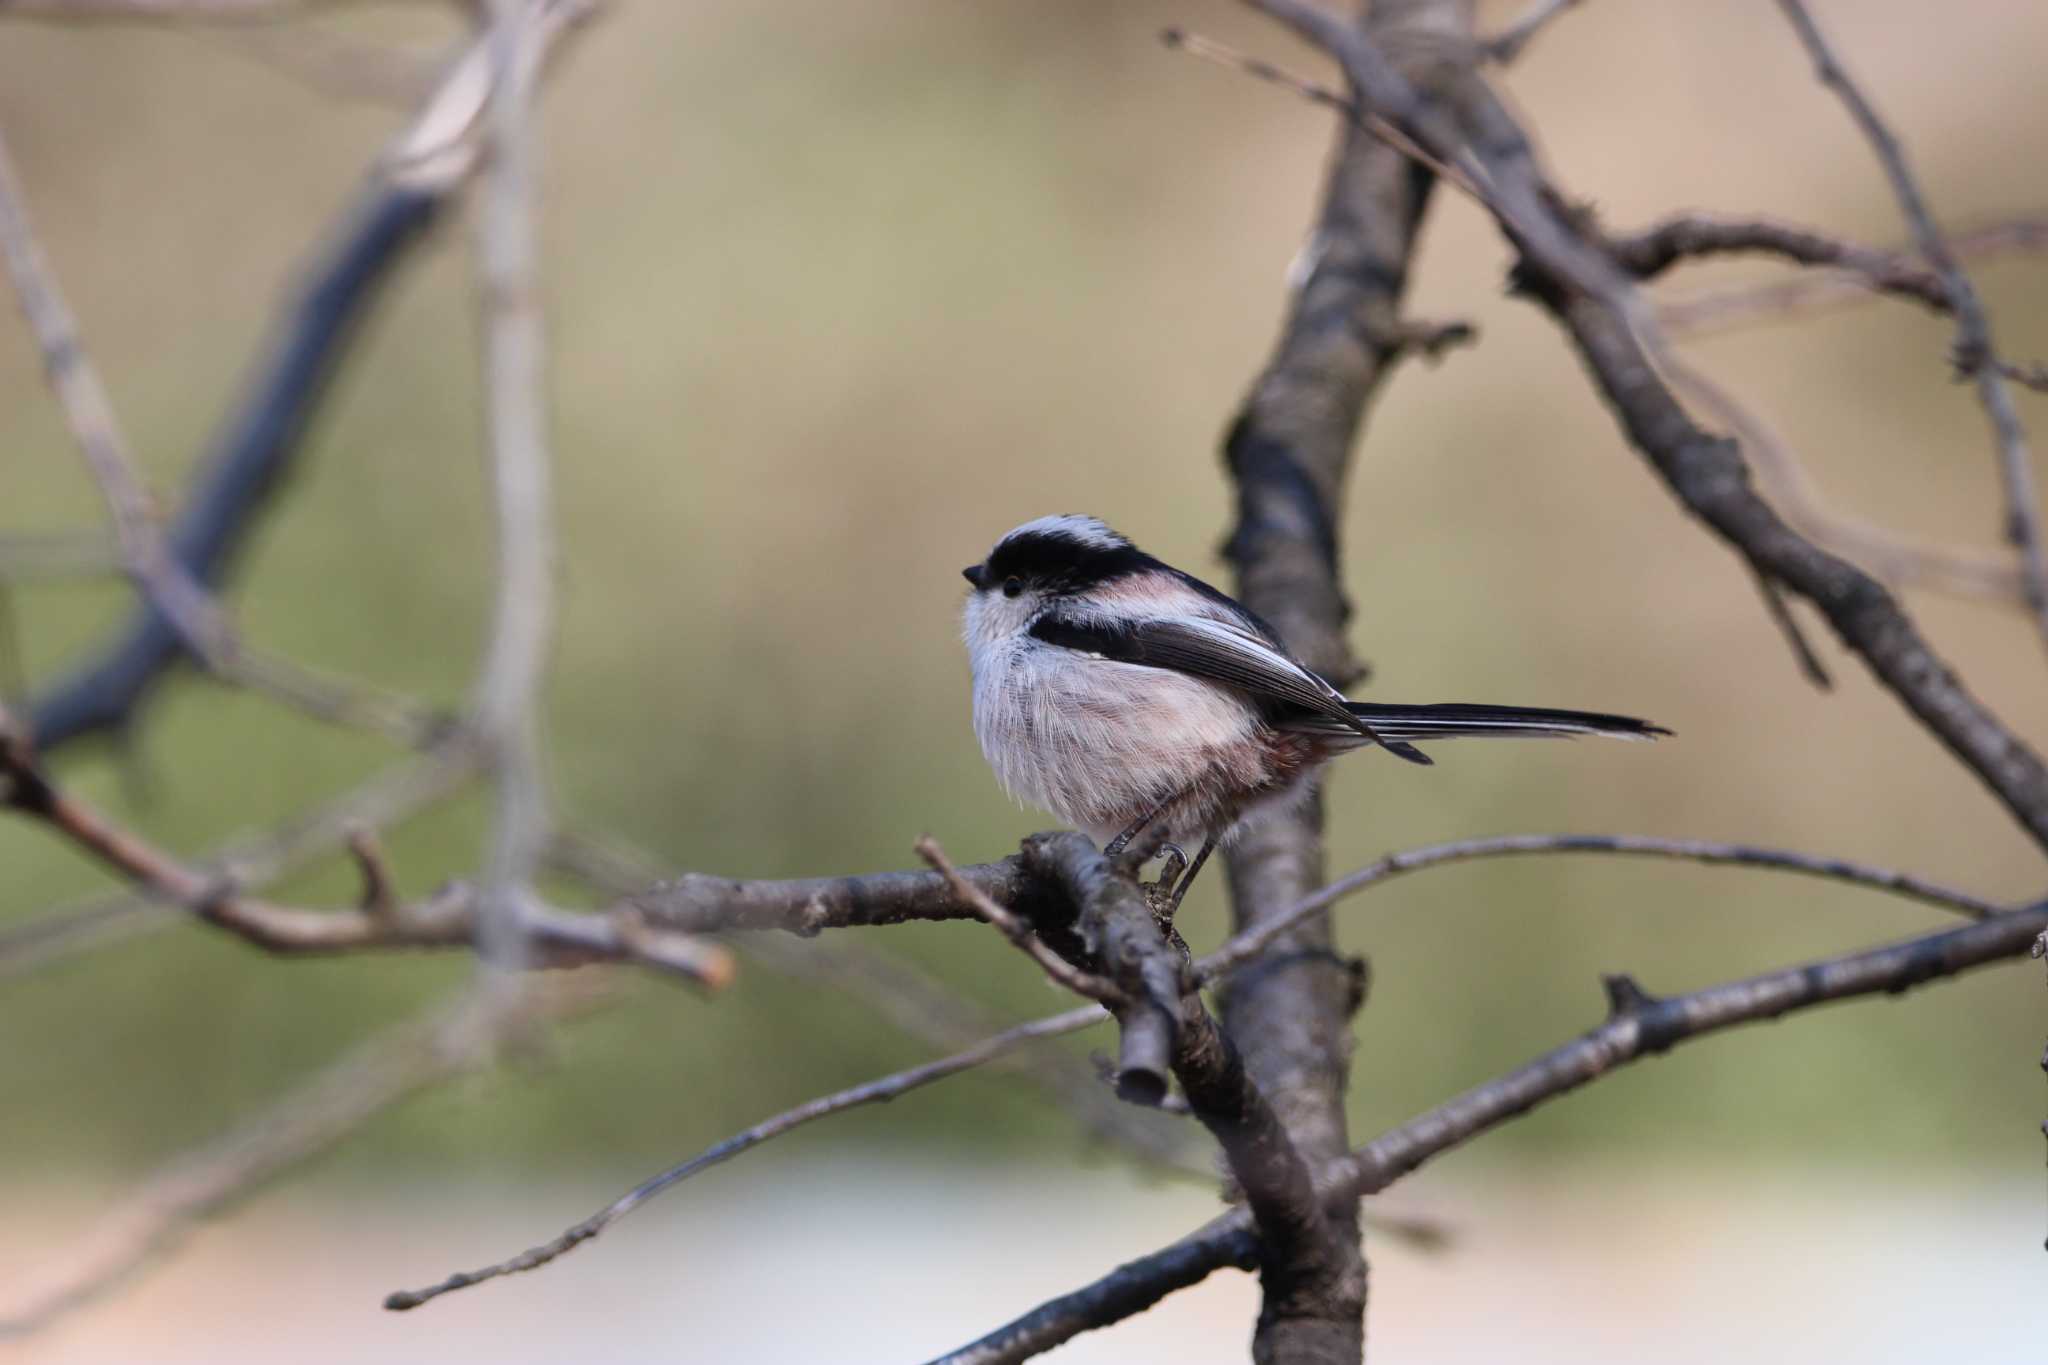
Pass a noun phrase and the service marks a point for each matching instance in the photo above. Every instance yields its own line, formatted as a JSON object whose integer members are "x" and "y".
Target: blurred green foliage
{"x": 838, "y": 293}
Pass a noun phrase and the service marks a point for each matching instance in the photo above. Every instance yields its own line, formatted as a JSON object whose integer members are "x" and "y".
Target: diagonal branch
{"x": 162, "y": 580}
{"x": 871, "y": 1092}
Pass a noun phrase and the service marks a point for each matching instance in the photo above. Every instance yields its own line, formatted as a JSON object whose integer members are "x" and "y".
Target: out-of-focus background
{"x": 837, "y": 293}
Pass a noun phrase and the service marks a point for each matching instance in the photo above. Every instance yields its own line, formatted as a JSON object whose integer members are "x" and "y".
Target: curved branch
{"x": 871, "y": 1092}
{"x": 1249, "y": 944}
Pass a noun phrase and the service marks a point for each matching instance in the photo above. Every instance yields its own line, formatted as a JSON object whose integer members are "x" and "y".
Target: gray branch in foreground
{"x": 1638, "y": 1025}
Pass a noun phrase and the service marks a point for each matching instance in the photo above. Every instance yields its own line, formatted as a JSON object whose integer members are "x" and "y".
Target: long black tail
{"x": 1449, "y": 720}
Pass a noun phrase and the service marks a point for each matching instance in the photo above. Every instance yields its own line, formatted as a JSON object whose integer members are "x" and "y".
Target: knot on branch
{"x": 1625, "y": 996}
{"x": 1122, "y": 942}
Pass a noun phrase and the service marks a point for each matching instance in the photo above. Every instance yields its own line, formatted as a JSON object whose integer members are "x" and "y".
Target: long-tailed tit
{"x": 1123, "y": 695}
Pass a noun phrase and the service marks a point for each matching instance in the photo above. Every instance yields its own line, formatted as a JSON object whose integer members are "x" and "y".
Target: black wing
{"x": 1219, "y": 651}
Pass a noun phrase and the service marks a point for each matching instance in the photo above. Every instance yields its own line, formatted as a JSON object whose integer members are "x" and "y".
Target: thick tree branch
{"x": 698, "y": 902}
{"x": 1288, "y": 452}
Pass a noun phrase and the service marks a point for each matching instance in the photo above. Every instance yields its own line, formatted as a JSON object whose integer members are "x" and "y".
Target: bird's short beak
{"x": 974, "y": 574}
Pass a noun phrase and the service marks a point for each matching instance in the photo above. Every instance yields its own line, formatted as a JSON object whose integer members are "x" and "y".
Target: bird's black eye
{"x": 1012, "y": 586}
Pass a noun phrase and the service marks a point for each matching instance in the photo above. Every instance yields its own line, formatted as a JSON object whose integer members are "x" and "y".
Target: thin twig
{"x": 1975, "y": 354}
{"x": 1247, "y": 945}
{"x": 90, "y": 413}
{"x": 2034, "y": 376}
{"x": 871, "y": 1092}
{"x": 1716, "y": 309}
{"x": 155, "y": 1217}
{"x": 1223, "y": 55}
{"x": 1788, "y": 626}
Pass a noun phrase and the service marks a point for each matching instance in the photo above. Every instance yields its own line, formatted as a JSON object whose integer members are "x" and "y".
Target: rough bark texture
{"x": 1288, "y": 453}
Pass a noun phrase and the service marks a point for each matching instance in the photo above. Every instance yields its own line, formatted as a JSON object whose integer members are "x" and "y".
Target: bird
{"x": 1124, "y": 696}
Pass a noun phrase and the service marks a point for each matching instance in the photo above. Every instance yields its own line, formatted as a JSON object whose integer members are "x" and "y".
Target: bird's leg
{"x": 1180, "y": 888}
{"x": 1122, "y": 841}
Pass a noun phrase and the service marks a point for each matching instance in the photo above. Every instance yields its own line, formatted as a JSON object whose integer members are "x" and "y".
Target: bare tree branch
{"x": 250, "y": 861}
{"x": 1288, "y": 452}
{"x": 90, "y": 412}
{"x": 448, "y": 918}
{"x": 1716, "y": 309}
{"x": 871, "y": 1092}
{"x": 1248, "y": 944}
{"x": 507, "y": 700}
{"x": 1975, "y": 355}
{"x": 1638, "y": 1025}
{"x": 1693, "y": 236}
{"x": 162, "y": 1211}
